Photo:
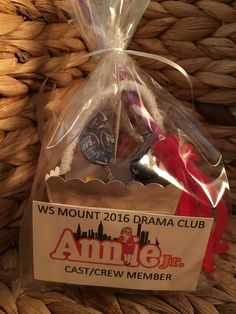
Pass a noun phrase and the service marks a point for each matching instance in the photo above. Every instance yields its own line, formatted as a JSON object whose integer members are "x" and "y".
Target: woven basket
{"x": 36, "y": 41}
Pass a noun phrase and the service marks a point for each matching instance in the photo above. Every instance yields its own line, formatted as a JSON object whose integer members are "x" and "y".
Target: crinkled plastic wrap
{"x": 124, "y": 126}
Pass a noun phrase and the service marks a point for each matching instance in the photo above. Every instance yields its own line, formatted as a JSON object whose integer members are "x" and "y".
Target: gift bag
{"x": 118, "y": 139}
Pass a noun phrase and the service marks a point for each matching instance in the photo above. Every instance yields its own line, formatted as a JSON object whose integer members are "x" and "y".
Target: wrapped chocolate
{"x": 124, "y": 126}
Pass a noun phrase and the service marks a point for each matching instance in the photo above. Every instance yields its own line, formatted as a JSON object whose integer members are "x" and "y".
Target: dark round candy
{"x": 97, "y": 141}
{"x": 97, "y": 146}
{"x": 98, "y": 121}
{"x": 90, "y": 146}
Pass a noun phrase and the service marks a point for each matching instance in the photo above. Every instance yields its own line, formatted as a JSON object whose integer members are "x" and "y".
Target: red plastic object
{"x": 179, "y": 160}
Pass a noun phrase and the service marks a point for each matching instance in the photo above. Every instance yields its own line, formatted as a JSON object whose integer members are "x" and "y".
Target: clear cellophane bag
{"x": 122, "y": 125}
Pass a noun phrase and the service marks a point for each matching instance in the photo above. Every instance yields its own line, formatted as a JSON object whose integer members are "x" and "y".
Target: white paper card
{"x": 117, "y": 248}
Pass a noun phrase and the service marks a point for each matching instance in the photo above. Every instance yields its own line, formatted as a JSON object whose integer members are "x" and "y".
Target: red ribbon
{"x": 179, "y": 160}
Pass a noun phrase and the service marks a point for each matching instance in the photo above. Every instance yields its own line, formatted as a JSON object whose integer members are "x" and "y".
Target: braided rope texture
{"x": 37, "y": 41}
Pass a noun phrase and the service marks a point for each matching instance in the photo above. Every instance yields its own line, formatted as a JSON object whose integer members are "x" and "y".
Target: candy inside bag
{"x": 124, "y": 126}
{"x": 123, "y": 118}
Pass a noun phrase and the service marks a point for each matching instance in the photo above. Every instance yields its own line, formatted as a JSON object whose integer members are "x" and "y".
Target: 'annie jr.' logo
{"x": 97, "y": 247}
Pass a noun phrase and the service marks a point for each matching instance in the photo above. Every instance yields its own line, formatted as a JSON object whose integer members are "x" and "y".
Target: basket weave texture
{"x": 37, "y": 40}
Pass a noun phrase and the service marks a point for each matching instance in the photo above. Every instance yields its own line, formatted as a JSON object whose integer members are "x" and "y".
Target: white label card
{"x": 117, "y": 248}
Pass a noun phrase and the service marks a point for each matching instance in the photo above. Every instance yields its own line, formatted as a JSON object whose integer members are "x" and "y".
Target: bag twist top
{"x": 108, "y": 24}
